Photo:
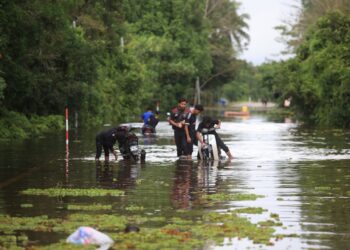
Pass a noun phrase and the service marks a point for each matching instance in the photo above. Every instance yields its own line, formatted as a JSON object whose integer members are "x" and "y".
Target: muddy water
{"x": 303, "y": 174}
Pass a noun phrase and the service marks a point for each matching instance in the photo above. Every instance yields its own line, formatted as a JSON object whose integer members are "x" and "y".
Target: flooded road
{"x": 302, "y": 175}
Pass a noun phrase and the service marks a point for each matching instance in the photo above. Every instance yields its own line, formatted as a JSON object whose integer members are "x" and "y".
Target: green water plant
{"x": 92, "y": 207}
{"x": 62, "y": 192}
{"x": 250, "y": 210}
{"x": 174, "y": 233}
{"x": 231, "y": 197}
{"x": 134, "y": 208}
{"x": 27, "y": 205}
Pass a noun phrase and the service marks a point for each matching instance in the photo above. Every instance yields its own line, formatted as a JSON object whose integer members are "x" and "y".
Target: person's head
{"x": 207, "y": 120}
{"x": 182, "y": 103}
{"x": 149, "y": 109}
{"x": 197, "y": 109}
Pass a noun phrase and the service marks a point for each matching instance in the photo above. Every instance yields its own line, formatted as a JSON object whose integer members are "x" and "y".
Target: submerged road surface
{"x": 302, "y": 175}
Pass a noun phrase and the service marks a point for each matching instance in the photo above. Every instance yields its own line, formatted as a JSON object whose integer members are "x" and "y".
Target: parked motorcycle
{"x": 209, "y": 151}
{"x": 129, "y": 144}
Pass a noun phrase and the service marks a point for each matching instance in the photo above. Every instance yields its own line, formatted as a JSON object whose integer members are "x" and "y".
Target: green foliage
{"x": 247, "y": 84}
{"x": 108, "y": 59}
{"x": 296, "y": 32}
{"x": 318, "y": 78}
{"x": 16, "y": 125}
{"x": 227, "y": 36}
{"x": 13, "y": 124}
{"x": 326, "y": 69}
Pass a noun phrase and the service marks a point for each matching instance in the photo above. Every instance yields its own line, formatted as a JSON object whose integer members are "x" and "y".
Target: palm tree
{"x": 228, "y": 36}
{"x": 225, "y": 22}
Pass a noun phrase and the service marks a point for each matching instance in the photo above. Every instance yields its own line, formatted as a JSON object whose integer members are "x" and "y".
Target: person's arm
{"x": 114, "y": 152}
{"x": 200, "y": 137}
{"x": 186, "y": 126}
{"x": 217, "y": 123}
{"x": 172, "y": 122}
{"x": 188, "y": 137}
{"x": 199, "y": 134}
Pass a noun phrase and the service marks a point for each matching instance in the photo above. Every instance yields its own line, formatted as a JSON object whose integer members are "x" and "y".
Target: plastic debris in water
{"x": 88, "y": 235}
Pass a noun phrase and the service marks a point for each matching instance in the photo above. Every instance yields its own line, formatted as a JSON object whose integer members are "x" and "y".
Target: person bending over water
{"x": 106, "y": 140}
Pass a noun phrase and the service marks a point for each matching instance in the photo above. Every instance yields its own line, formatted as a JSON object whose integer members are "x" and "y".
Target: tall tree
{"x": 294, "y": 31}
{"x": 228, "y": 37}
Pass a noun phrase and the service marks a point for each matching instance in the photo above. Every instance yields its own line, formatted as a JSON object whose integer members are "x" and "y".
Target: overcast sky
{"x": 264, "y": 16}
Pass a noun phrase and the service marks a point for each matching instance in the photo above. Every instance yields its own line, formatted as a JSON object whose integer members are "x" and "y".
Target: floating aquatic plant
{"x": 275, "y": 216}
{"x": 185, "y": 229}
{"x": 134, "y": 208}
{"x": 323, "y": 188}
{"x": 62, "y": 192}
{"x": 92, "y": 207}
{"x": 208, "y": 229}
{"x": 250, "y": 210}
{"x": 231, "y": 197}
{"x": 27, "y": 205}
{"x": 270, "y": 223}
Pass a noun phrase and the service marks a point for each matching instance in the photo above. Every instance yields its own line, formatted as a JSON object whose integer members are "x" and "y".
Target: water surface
{"x": 303, "y": 174}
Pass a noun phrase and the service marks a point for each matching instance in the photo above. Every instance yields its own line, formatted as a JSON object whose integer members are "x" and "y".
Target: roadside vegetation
{"x": 317, "y": 79}
{"x": 107, "y": 60}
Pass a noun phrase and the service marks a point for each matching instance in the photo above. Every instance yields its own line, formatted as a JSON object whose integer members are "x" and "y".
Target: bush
{"x": 14, "y": 125}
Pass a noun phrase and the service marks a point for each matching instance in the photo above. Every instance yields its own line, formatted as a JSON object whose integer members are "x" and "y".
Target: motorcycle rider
{"x": 150, "y": 121}
{"x": 208, "y": 126}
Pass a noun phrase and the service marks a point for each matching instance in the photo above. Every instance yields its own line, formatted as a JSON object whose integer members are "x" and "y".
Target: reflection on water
{"x": 121, "y": 176}
{"x": 304, "y": 175}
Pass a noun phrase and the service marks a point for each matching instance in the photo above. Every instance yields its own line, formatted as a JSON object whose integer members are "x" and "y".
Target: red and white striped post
{"x": 67, "y": 134}
{"x": 67, "y": 145}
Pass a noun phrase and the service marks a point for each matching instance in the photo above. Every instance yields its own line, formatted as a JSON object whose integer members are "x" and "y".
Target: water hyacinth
{"x": 62, "y": 192}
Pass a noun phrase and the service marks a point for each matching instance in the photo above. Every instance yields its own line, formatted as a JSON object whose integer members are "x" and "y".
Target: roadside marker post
{"x": 67, "y": 144}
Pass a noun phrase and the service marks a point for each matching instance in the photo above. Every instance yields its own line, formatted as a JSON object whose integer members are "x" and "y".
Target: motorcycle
{"x": 147, "y": 129}
{"x": 129, "y": 144}
{"x": 209, "y": 151}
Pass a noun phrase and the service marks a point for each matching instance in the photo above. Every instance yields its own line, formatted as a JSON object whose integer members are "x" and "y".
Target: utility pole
{"x": 122, "y": 43}
{"x": 198, "y": 91}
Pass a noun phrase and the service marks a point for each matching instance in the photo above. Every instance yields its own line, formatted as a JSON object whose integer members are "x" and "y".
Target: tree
{"x": 294, "y": 32}
{"x": 318, "y": 78}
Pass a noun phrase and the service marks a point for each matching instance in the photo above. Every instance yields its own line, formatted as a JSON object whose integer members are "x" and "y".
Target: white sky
{"x": 264, "y": 16}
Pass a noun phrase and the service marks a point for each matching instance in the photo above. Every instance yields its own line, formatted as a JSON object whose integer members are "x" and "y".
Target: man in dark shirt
{"x": 177, "y": 120}
{"x": 106, "y": 140}
{"x": 190, "y": 128}
{"x": 208, "y": 126}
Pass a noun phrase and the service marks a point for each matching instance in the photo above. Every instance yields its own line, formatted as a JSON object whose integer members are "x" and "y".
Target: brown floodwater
{"x": 303, "y": 173}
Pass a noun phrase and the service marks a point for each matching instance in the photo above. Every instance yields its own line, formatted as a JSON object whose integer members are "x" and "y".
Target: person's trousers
{"x": 220, "y": 143}
{"x": 194, "y": 141}
{"x": 180, "y": 141}
{"x": 99, "y": 146}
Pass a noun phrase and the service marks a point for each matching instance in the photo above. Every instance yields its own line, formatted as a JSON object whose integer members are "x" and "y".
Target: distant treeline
{"x": 109, "y": 59}
{"x": 317, "y": 79}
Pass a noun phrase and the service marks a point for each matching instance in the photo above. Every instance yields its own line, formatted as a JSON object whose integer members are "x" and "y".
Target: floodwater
{"x": 303, "y": 174}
